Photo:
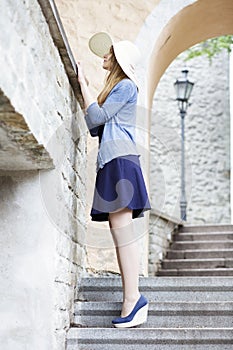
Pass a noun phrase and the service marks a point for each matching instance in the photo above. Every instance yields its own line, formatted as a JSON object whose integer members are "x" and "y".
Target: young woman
{"x": 120, "y": 192}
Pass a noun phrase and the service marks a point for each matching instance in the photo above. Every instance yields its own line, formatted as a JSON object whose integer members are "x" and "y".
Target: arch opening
{"x": 209, "y": 18}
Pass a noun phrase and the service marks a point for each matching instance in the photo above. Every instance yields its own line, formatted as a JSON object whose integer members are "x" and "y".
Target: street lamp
{"x": 183, "y": 89}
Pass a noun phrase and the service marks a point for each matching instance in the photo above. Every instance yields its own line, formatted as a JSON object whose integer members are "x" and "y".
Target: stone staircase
{"x": 200, "y": 251}
{"x": 187, "y": 311}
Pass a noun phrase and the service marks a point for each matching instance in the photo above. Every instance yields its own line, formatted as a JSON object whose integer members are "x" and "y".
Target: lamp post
{"x": 183, "y": 89}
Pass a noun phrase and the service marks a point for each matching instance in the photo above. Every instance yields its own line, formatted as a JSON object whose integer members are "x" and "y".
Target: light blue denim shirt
{"x": 118, "y": 114}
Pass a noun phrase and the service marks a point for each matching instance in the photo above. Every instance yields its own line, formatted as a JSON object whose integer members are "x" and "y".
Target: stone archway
{"x": 169, "y": 30}
{"x": 209, "y": 18}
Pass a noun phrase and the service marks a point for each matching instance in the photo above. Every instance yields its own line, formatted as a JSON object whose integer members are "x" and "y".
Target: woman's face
{"x": 107, "y": 64}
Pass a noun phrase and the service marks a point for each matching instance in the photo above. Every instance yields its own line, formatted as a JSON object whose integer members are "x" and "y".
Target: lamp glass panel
{"x": 189, "y": 89}
{"x": 180, "y": 89}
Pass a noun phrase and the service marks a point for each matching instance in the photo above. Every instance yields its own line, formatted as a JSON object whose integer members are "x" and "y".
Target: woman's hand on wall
{"x": 81, "y": 75}
{"x": 88, "y": 98}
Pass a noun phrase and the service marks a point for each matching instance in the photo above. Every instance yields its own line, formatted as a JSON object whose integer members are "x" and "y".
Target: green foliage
{"x": 210, "y": 47}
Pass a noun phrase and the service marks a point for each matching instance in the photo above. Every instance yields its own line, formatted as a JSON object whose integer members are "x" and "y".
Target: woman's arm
{"x": 87, "y": 97}
{"x": 123, "y": 92}
{"x": 95, "y": 115}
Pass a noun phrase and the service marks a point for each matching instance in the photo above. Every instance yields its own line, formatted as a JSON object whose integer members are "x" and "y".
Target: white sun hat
{"x": 127, "y": 54}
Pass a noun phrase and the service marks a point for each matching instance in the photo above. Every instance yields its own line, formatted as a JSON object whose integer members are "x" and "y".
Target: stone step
{"x": 199, "y": 254}
{"x": 161, "y": 314}
{"x": 205, "y": 236}
{"x": 197, "y": 263}
{"x": 159, "y": 288}
{"x": 206, "y": 228}
{"x": 198, "y": 245}
{"x": 196, "y": 272}
{"x": 150, "y": 339}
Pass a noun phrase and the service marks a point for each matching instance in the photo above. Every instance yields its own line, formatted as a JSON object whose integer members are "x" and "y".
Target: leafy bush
{"x": 211, "y": 47}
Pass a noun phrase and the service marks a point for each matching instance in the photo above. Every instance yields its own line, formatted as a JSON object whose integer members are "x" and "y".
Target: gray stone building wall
{"x": 207, "y": 142}
{"x": 42, "y": 206}
{"x": 161, "y": 229}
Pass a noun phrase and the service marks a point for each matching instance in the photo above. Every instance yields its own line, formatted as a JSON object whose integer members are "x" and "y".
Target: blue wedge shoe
{"x": 137, "y": 316}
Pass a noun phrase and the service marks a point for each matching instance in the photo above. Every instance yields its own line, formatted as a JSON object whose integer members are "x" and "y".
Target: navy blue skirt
{"x": 120, "y": 184}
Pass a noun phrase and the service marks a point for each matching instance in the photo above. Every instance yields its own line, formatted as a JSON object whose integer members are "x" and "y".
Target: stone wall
{"x": 207, "y": 144}
{"x": 42, "y": 212}
{"x": 27, "y": 264}
{"x": 162, "y": 227}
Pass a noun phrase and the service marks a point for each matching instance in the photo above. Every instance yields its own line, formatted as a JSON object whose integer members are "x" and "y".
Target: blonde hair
{"x": 116, "y": 74}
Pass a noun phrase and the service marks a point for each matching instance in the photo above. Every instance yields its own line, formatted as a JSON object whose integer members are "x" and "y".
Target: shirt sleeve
{"x": 122, "y": 93}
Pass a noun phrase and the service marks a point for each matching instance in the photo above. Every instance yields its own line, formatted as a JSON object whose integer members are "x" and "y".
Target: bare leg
{"x": 128, "y": 257}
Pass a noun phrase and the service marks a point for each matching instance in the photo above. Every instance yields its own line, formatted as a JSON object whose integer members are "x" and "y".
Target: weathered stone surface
{"x": 42, "y": 214}
{"x": 19, "y": 150}
{"x": 27, "y": 244}
{"x": 207, "y": 143}
{"x": 184, "y": 313}
{"x": 60, "y": 40}
{"x": 162, "y": 227}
